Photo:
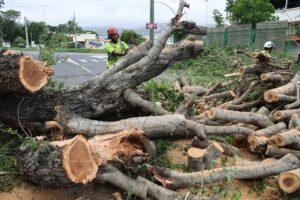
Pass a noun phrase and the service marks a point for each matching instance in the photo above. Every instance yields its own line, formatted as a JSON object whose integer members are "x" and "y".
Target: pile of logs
{"x": 94, "y": 144}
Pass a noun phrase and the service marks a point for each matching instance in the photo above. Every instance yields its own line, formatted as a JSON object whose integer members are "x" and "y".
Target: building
{"x": 82, "y": 38}
{"x": 287, "y": 9}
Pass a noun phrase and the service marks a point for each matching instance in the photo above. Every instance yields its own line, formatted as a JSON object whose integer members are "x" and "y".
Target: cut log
{"x": 71, "y": 162}
{"x": 273, "y": 151}
{"x": 247, "y": 117}
{"x": 196, "y": 158}
{"x": 213, "y": 151}
{"x": 135, "y": 100}
{"x": 223, "y": 95}
{"x": 242, "y": 162}
{"x": 183, "y": 180}
{"x": 284, "y": 98}
{"x": 21, "y": 74}
{"x": 77, "y": 160}
{"x": 197, "y": 90}
{"x": 294, "y": 105}
{"x": 273, "y": 77}
{"x": 285, "y": 114}
{"x": 289, "y": 181}
{"x": 269, "y": 131}
{"x": 227, "y": 130}
{"x": 255, "y": 69}
{"x": 289, "y": 88}
{"x": 290, "y": 138}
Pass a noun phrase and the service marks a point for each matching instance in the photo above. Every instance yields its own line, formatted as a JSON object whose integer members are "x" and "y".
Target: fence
{"x": 247, "y": 37}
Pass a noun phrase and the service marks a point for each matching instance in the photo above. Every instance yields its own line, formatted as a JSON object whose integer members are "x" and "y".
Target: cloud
{"x": 121, "y": 13}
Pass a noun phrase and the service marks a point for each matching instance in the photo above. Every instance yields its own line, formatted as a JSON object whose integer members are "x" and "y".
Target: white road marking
{"x": 72, "y": 61}
{"x": 82, "y": 60}
{"x": 95, "y": 60}
{"x": 100, "y": 56}
{"x": 87, "y": 70}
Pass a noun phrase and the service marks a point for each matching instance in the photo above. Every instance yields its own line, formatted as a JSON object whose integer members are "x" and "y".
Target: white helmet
{"x": 269, "y": 45}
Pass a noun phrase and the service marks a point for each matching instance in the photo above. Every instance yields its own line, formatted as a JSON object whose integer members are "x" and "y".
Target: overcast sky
{"x": 120, "y": 13}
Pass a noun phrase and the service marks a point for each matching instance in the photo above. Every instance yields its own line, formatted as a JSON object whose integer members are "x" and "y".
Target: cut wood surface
{"x": 21, "y": 74}
{"x": 247, "y": 117}
{"x": 181, "y": 180}
{"x": 257, "y": 144}
{"x": 289, "y": 181}
{"x": 213, "y": 151}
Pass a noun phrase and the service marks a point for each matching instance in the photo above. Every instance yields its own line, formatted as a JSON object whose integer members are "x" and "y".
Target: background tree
{"x": 250, "y": 11}
{"x": 19, "y": 42}
{"x": 131, "y": 37}
{"x": 10, "y": 27}
{"x": 36, "y": 29}
{"x": 218, "y": 17}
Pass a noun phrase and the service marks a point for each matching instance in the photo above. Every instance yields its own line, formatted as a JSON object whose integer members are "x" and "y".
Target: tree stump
{"x": 289, "y": 181}
{"x": 196, "y": 158}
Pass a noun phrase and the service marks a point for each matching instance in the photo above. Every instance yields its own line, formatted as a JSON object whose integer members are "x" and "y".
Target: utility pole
{"x": 75, "y": 30}
{"x": 26, "y": 32}
{"x": 152, "y": 21}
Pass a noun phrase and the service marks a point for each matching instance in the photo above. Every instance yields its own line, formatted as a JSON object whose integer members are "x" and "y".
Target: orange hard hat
{"x": 112, "y": 31}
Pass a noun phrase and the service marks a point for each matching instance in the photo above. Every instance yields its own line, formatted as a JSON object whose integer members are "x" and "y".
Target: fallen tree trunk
{"x": 273, "y": 151}
{"x": 294, "y": 105}
{"x": 77, "y": 160}
{"x": 22, "y": 74}
{"x": 269, "y": 131}
{"x": 155, "y": 127}
{"x": 272, "y": 95}
{"x": 247, "y": 117}
{"x": 182, "y": 180}
{"x": 289, "y": 181}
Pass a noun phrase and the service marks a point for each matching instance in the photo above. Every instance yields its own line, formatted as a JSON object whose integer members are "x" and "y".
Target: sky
{"x": 119, "y": 13}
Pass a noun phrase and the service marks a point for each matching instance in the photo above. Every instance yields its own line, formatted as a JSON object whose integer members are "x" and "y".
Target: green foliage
{"x": 131, "y": 37}
{"x": 36, "y": 29}
{"x": 250, "y": 11}
{"x": 53, "y": 87}
{"x": 19, "y": 42}
{"x": 297, "y": 28}
{"x": 10, "y": 141}
{"x": 10, "y": 27}
{"x": 47, "y": 55}
{"x": 69, "y": 27}
{"x": 58, "y": 40}
{"x": 218, "y": 17}
{"x": 164, "y": 93}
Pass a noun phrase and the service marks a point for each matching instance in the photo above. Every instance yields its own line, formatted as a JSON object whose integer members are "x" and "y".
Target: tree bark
{"x": 294, "y": 105}
{"x": 277, "y": 152}
{"x": 22, "y": 74}
{"x": 269, "y": 131}
{"x": 257, "y": 144}
{"x": 272, "y": 77}
{"x": 223, "y": 95}
{"x": 197, "y": 90}
{"x": 213, "y": 151}
{"x": 244, "y": 105}
{"x": 247, "y": 117}
{"x": 182, "y": 180}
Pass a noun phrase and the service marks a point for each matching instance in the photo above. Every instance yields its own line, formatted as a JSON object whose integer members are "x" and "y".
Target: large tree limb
{"x": 181, "y": 180}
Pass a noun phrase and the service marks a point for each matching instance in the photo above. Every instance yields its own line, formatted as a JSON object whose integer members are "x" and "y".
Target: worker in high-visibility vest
{"x": 115, "y": 48}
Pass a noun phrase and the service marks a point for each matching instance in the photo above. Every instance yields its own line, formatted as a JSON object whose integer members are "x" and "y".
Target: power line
{"x": 55, "y": 5}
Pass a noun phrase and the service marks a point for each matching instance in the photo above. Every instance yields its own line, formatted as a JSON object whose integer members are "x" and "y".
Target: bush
{"x": 131, "y": 37}
{"x": 19, "y": 42}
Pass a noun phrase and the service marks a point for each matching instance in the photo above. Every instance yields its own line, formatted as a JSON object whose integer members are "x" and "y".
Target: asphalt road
{"x": 75, "y": 68}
